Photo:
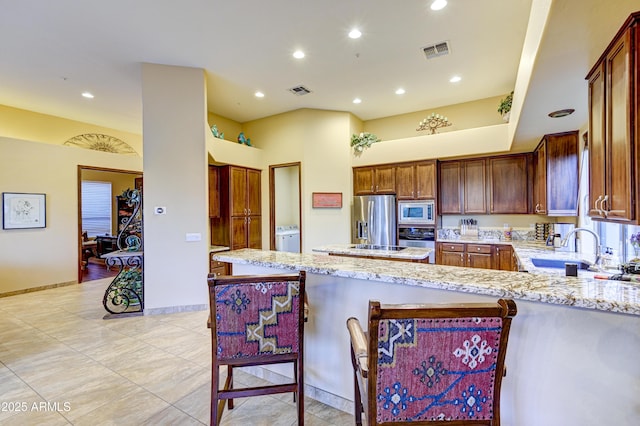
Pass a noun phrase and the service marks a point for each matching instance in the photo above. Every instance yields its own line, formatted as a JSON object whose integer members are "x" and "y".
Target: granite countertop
{"x": 582, "y": 291}
{"x": 407, "y": 253}
{"x": 216, "y": 249}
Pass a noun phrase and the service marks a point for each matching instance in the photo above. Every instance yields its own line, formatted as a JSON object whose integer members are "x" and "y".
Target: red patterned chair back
{"x": 256, "y": 320}
{"x": 436, "y": 364}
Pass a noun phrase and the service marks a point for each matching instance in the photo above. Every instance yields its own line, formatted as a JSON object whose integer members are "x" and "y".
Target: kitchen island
{"x": 408, "y": 254}
{"x": 573, "y": 347}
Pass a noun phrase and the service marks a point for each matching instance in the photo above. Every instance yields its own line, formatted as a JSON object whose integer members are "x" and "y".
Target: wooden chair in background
{"x": 430, "y": 364}
{"x": 256, "y": 320}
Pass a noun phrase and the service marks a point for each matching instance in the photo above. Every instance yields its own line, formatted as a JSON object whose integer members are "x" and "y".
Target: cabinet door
{"x": 474, "y": 186}
{"x": 451, "y": 254}
{"x": 540, "y": 179}
{"x": 385, "y": 179}
{"x": 238, "y": 192}
{"x": 508, "y": 185}
{"x": 504, "y": 258}
{"x": 405, "y": 182}
{"x": 450, "y": 179}
{"x": 214, "y": 192}
{"x": 254, "y": 230}
{"x": 562, "y": 174}
{"x": 253, "y": 192}
{"x": 426, "y": 180}
{"x": 618, "y": 166}
{"x": 596, "y": 142}
{"x": 479, "y": 256}
{"x": 363, "y": 180}
{"x": 239, "y": 232}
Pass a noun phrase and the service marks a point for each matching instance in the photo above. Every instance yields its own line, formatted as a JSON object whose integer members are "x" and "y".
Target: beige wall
{"x": 230, "y": 128}
{"x": 175, "y": 170}
{"x": 32, "y": 126}
{"x": 468, "y": 115}
{"x": 40, "y": 257}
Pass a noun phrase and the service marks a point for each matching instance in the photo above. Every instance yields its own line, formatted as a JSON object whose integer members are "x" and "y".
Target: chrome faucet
{"x": 565, "y": 243}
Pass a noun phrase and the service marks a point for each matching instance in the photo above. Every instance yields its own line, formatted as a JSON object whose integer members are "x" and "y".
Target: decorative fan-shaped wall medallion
{"x": 99, "y": 142}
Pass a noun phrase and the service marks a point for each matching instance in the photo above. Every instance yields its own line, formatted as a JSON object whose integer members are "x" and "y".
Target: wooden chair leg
{"x": 357, "y": 402}
{"x": 299, "y": 394}
{"x": 214, "y": 395}
{"x": 230, "y": 384}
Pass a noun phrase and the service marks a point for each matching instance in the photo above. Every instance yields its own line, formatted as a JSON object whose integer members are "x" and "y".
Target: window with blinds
{"x": 96, "y": 207}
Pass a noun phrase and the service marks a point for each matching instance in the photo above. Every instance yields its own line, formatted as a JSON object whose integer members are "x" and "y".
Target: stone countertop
{"x": 582, "y": 292}
{"x": 216, "y": 249}
{"x": 407, "y": 253}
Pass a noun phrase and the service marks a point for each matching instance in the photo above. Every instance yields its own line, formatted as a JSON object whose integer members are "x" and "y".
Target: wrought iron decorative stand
{"x": 125, "y": 294}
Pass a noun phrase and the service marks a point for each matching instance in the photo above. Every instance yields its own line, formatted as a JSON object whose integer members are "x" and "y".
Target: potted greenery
{"x": 363, "y": 140}
{"x": 504, "y": 109}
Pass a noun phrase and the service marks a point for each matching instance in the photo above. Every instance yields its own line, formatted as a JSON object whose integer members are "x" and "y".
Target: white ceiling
{"x": 51, "y": 51}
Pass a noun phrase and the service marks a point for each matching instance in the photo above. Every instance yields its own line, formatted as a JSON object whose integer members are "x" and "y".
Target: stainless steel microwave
{"x": 417, "y": 212}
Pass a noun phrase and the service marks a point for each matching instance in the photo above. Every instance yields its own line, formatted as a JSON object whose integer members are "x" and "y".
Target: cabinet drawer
{"x": 216, "y": 264}
{"x": 453, "y": 247}
{"x": 219, "y": 271}
{"x": 479, "y": 248}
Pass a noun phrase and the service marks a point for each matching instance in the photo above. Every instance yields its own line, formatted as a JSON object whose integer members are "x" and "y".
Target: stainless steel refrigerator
{"x": 374, "y": 220}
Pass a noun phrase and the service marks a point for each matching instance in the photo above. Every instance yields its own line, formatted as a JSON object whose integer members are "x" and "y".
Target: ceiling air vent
{"x": 436, "y": 50}
{"x": 300, "y": 90}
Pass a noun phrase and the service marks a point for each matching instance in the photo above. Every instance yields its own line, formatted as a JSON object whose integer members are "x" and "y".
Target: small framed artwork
{"x": 331, "y": 200}
{"x": 23, "y": 211}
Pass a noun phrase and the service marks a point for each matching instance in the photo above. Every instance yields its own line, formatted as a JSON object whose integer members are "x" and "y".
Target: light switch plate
{"x": 196, "y": 236}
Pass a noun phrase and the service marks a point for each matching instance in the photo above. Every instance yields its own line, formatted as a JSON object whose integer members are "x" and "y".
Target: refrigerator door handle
{"x": 372, "y": 231}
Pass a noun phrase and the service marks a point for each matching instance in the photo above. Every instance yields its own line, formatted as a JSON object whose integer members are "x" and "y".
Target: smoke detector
{"x": 300, "y": 90}
{"x": 435, "y": 50}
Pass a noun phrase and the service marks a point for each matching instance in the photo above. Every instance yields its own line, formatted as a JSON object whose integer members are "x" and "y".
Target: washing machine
{"x": 288, "y": 238}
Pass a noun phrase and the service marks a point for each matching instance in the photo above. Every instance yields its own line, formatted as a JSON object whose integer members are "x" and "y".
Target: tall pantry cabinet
{"x": 614, "y": 86}
{"x": 238, "y": 223}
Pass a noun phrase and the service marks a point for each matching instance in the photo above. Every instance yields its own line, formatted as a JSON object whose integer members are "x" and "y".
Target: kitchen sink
{"x": 558, "y": 263}
{"x": 377, "y": 247}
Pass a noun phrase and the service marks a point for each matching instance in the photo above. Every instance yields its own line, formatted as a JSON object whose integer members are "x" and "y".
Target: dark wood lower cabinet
{"x": 485, "y": 256}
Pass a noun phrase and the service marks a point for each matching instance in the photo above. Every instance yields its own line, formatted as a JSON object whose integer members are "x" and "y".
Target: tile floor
{"x": 61, "y": 363}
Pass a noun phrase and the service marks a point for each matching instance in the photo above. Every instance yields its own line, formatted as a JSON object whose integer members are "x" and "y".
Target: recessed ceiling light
{"x": 298, "y": 54}
{"x": 355, "y": 33}
{"x": 357, "y": 100}
{"x": 259, "y": 94}
{"x": 438, "y": 4}
{"x": 561, "y": 113}
{"x": 87, "y": 95}
{"x": 400, "y": 91}
{"x": 455, "y": 79}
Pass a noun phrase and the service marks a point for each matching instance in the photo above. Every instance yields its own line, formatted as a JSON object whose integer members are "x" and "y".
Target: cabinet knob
{"x": 249, "y": 211}
{"x": 245, "y": 211}
{"x": 452, "y": 247}
{"x": 478, "y": 248}
{"x": 376, "y": 188}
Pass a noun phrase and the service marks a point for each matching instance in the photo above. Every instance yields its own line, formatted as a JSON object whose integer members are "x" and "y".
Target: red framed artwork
{"x": 326, "y": 200}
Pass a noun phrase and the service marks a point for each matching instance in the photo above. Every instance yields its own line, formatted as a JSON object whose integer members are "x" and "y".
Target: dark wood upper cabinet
{"x": 450, "y": 187}
{"x": 509, "y": 184}
{"x": 416, "y": 181}
{"x": 475, "y": 183}
{"x": 374, "y": 180}
{"x": 614, "y": 87}
{"x": 555, "y": 185}
{"x": 462, "y": 187}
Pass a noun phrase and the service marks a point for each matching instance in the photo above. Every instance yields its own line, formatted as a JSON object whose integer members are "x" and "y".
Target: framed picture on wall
{"x": 326, "y": 200}
{"x": 23, "y": 211}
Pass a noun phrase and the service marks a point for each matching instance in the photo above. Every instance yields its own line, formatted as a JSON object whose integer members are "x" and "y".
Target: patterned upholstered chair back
{"x": 436, "y": 364}
{"x": 256, "y": 320}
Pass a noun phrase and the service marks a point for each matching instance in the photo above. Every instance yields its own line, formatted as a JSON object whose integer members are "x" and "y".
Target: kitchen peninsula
{"x": 572, "y": 356}
{"x": 407, "y": 254}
